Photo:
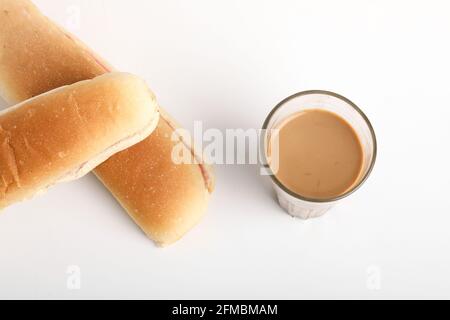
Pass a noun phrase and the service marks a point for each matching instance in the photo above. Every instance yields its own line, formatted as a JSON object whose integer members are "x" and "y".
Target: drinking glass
{"x": 293, "y": 203}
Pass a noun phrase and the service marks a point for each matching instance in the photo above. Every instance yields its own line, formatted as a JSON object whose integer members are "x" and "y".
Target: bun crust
{"x": 63, "y": 134}
{"x": 35, "y": 55}
{"x": 50, "y": 57}
{"x": 164, "y": 199}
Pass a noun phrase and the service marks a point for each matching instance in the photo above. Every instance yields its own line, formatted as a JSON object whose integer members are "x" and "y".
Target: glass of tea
{"x": 319, "y": 148}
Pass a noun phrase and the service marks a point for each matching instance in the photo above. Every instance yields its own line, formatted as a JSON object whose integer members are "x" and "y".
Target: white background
{"x": 228, "y": 63}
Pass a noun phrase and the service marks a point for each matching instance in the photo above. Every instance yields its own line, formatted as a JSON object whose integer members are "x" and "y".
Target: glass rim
{"x": 351, "y": 104}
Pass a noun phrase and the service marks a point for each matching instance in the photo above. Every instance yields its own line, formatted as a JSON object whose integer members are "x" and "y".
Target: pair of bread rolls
{"x": 36, "y": 56}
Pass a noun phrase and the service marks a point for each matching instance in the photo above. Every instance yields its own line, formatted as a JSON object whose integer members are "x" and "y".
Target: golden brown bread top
{"x": 54, "y": 136}
{"x": 205, "y": 168}
{"x": 164, "y": 199}
{"x": 36, "y": 56}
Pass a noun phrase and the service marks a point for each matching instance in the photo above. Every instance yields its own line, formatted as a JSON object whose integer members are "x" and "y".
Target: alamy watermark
{"x": 73, "y": 20}
{"x": 374, "y": 277}
{"x": 73, "y": 281}
{"x": 228, "y": 147}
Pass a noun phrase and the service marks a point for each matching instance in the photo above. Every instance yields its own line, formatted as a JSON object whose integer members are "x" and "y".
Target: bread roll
{"x": 166, "y": 200}
{"x": 65, "y": 133}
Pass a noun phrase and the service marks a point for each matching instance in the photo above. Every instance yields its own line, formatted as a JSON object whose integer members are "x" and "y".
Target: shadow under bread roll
{"x": 65, "y": 133}
{"x": 165, "y": 199}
